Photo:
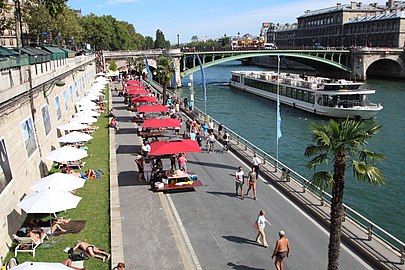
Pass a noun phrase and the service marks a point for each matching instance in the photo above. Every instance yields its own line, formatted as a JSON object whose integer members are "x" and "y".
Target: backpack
{"x": 225, "y": 136}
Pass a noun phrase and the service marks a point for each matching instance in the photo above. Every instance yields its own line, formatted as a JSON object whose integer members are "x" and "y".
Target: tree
{"x": 7, "y": 19}
{"x": 165, "y": 72}
{"x": 149, "y": 43}
{"x": 340, "y": 142}
{"x": 160, "y": 41}
{"x": 54, "y": 7}
{"x": 113, "y": 66}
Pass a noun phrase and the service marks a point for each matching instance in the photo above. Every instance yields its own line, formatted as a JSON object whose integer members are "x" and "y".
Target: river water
{"x": 254, "y": 118}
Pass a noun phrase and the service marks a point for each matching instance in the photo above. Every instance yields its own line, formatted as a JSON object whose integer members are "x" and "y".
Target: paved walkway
{"x": 210, "y": 228}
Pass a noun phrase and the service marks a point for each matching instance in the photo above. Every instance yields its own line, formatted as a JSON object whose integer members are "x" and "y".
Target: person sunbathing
{"x": 55, "y": 224}
{"x": 36, "y": 234}
{"x": 90, "y": 174}
{"x": 92, "y": 250}
{"x": 68, "y": 263}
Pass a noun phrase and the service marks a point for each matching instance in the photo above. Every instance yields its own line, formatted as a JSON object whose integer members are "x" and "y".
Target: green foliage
{"x": 7, "y": 20}
{"x": 202, "y": 46}
{"x": 54, "y": 7}
{"x": 149, "y": 43}
{"x": 113, "y": 66}
{"x": 160, "y": 41}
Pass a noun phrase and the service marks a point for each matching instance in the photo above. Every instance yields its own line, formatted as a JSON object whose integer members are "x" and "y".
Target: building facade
{"x": 343, "y": 26}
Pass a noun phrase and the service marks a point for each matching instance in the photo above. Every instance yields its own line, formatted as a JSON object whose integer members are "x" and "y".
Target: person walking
{"x": 281, "y": 250}
{"x": 261, "y": 224}
{"x": 240, "y": 179}
{"x": 182, "y": 160}
{"x": 252, "y": 183}
{"x": 147, "y": 169}
{"x": 256, "y": 163}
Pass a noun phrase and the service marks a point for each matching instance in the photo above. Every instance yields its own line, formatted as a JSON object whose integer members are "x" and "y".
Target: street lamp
{"x": 178, "y": 40}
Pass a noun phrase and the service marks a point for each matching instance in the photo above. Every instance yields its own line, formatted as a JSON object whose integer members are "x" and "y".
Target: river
{"x": 255, "y": 119}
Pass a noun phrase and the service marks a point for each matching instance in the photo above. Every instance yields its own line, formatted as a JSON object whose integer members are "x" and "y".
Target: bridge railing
{"x": 371, "y": 228}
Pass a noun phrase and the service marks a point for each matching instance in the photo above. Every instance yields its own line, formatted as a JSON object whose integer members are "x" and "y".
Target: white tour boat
{"x": 323, "y": 96}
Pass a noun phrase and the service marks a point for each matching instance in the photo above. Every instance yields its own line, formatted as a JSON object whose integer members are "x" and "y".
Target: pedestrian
{"x": 211, "y": 139}
{"x": 261, "y": 224}
{"x": 139, "y": 164}
{"x": 256, "y": 164}
{"x": 252, "y": 183}
{"x": 220, "y": 128}
{"x": 147, "y": 169}
{"x": 120, "y": 266}
{"x": 145, "y": 148}
{"x": 173, "y": 159}
{"x": 240, "y": 179}
{"x": 281, "y": 250}
{"x": 182, "y": 160}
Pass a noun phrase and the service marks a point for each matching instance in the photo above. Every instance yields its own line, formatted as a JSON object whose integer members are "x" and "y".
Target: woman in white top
{"x": 147, "y": 169}
{"x": 261, "y": 224}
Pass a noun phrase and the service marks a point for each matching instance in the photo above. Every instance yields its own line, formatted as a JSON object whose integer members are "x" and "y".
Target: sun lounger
{"x": 26, "y": 244}
{"x": 78, "y": 164}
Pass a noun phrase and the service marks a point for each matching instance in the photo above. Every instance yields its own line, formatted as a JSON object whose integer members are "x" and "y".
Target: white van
{"x": 269, "y": 46}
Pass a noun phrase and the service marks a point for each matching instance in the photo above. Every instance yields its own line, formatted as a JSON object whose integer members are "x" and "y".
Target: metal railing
{"x": 372, "y": 229}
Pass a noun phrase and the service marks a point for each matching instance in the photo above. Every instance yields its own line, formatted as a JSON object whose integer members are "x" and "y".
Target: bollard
{"x": 403, "y": 255}
{"x": 246, "y": 147}
{"x": 370, "y": 232}
{"x": 344, "y": 214}
{"x": 237, "y": 141}
{"x": 322, "y": 198}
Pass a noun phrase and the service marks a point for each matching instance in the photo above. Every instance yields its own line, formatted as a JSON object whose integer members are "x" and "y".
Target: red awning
{"x": 174, "y": 147}
{"x": 161, "y": 123}
{"x": 138, "y": 92}
{"x": 133, "y": 82}
{"x": 135, "y": 87}
{"x": 152, "y": 108}
{"x": 144, "y": 99}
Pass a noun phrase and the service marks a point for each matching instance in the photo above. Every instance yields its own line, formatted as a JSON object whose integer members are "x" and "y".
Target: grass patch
{"x": 94, "y": 207}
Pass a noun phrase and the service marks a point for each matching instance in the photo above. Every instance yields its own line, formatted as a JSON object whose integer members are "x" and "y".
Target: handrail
{"x": 372, "y": 228}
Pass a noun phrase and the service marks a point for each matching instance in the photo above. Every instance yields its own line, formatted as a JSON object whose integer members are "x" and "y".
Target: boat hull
{"x": 356, "y": 112}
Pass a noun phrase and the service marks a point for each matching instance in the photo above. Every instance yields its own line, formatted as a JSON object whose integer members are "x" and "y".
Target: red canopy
{"x": 135, "y": 87}
{"x": 133, "y": 82}
{"x": 174, "y": 147}
{"x": 152, "y": 108}
{"x": 161, "y": 123}
{"x": 144, "y": 99}
{"x": 138, "y": 92}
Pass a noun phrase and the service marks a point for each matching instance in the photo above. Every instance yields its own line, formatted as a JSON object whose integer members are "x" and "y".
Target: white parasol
{"x": 88, "y": 112}
{"x": 60, "y": 182}
{"x": 73, "y": 126}
{"x": 41, "y": 266}
{"x": 75, "y": 136}
{"x": 85, "y": 119}
{"x": 66, "y": 153}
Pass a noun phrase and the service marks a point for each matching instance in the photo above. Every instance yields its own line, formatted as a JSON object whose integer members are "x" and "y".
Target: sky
{"x": 206, "y": 18}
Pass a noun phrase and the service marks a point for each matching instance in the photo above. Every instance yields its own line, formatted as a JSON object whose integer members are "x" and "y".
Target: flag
{"x": 278, "y": 118}
{"x": 202, "y": 77}
{"x": 148, "y": 70}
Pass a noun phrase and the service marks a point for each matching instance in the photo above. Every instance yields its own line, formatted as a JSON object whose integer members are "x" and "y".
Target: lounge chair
{"x": 78, "y": 164}
{"x": 26, "y": 244}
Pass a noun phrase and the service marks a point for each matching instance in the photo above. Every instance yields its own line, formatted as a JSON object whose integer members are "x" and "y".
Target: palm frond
{"x": 367, "y": 155}
{"x": 367, "y": 173}
{"x": 322, "y": 180}
{"x": 318, "y": 160}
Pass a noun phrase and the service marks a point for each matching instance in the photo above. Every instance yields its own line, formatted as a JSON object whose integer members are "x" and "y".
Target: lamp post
{"x": 178, "y": 40}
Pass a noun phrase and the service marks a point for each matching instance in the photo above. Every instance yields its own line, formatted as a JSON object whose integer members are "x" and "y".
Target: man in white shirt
{"x": 256, "y": 164}
{"x": 239, "y": 181}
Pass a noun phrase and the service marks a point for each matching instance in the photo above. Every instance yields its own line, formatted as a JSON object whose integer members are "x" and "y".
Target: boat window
{"x": 283, "y": 91}
{"x": 236, "y": 78}
{"x": 294, "y": 93}
{"x": 288, "y": 92}
{"x": 311, "y": 97}
{"x": 325, "y": 100}
{"x": 299, "y": 94}
{"x": 305, "y": 96}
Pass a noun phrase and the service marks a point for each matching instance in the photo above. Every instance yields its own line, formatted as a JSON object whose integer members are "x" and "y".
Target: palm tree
{"x": 340, "y": 142}
{"x": 165, "y": 72}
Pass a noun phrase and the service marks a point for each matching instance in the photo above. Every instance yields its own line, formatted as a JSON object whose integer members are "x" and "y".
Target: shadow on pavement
{"x": 208, "y": 164}
{"x": 129, "y": 149}
{"x": 241, "y": 240}
{"x": 125, "y": 119}
{"x": 242, "y": 267}
{"x": 130, "y": 178}
{"x": 127, "y": 131}
{"x": 220, "y": 194}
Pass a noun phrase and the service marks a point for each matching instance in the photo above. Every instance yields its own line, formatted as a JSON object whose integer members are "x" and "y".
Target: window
{"x": 46, "y": 119}
{"x": 28, "y": 132}
{"x": 11, "y": 42}
{"x": 65, "y": 99}
{"x": 5, "y": 169}
{"x": 57, "y": 108}
{"x": 71, "y": 93}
